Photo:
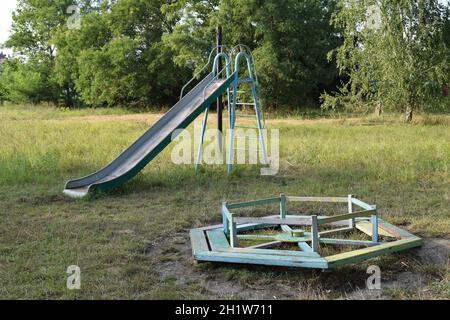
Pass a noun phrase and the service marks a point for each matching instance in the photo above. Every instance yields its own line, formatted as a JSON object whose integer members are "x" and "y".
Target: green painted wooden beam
{"x": 290, "y": 253}
{"x": 275, "y": 221}
{"x": 317, "y": 199}
{"x": 283, "y": 237}
{"x": 198, "y": 241}
{"x": 366, "y": 253}
{"x": 347, "y": 242}
{"x": 394, "y": 230}
{"x": 361, "y": 204}
{"x": 253, "y": 203}
{"x": 341, "y": 217}
{"x": 322, "y": 233}
{"x": 217, "y": 240}
{"x": 263, "y": 259}
{"x": 366, "y": 227}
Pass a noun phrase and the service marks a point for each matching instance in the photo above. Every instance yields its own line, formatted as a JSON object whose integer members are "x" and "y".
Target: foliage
{"x": 136, "y": 52}
{"x": 29, "y": 81}
{"x": 400, "y": 62}
{"x": 117, "y": 57}
{"x": 42, "y": 232}
{"x": 290, "y": 41}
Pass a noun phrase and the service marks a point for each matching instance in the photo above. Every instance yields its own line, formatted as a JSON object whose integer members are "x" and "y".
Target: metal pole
{"x": 219, "y": 99}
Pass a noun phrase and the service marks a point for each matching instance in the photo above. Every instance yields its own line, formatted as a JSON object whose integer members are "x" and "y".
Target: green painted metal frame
{"x": 220, "y": 243}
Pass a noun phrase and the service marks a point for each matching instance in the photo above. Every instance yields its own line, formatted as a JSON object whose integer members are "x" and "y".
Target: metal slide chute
{"x": 152, "y": 142}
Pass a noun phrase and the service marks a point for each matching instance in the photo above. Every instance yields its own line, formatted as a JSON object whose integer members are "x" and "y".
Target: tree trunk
{"x": 378, "y": 109}
{"x": 408, "y": 115}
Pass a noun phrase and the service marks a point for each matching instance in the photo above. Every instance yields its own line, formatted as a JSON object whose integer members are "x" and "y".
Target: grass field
{"x": 133, "y": 242}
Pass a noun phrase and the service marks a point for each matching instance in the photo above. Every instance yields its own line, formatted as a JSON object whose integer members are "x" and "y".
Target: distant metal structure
{"x": 192, "y": 103}
{"x": 220, "y": 243}
{"x": 241, "y": 55}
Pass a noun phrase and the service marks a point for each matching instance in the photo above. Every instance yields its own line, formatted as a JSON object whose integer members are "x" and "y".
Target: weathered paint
{"x": 366, "y": 227}
{"x": 263, "y": 259}
{"x": 211, "y": 244}
{"x": 356, "y": 214}
{"x": 366, "y": 253}
{"x": 198, "y": 241}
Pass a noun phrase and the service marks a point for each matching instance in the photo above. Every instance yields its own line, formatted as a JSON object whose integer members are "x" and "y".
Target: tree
{"x": 393, "y": 52}
{"x": 290, "y": 40}
{"x": 34, "y": 24}
{"x": 193, "y": 33}
{"x": 29, "y": 81}
{"x": 117, "y": 56}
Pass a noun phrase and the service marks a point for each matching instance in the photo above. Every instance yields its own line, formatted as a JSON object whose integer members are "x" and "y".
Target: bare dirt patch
{"x": 171, "y": 258}
{"x": 435, "y": 252}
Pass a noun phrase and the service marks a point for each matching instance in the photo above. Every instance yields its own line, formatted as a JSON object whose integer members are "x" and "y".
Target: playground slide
{"x": 152, "y": 142}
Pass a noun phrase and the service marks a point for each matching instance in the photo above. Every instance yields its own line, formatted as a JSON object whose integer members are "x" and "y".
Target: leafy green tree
{"x": 29, "y": 81}
{"x": 2, "y": 87}
{"x": 290, "y": 40}
{"x": 192, "y": 35}
{"x": 393, "y": 52}
{"x": 117, "y": 56}
{"x": 34, "y": 24}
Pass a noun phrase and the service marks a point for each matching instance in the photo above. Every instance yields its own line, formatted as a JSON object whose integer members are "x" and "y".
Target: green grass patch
{"x": 403, "y": 169}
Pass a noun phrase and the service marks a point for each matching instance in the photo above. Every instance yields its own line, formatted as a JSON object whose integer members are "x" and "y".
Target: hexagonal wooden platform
{"x": 220, "y": 243}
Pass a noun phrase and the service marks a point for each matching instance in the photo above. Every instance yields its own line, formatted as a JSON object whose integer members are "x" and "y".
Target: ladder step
{"x": 245, "y": 80}
{"x": 245, "y": 104}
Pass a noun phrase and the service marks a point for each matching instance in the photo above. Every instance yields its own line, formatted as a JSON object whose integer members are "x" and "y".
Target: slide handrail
{"x": 202, "y": 69}
{"x": 216, "y": 76}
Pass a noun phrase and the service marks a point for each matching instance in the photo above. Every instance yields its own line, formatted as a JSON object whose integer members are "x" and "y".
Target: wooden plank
{"x": 305, "y": 247}
{"x": 290, "y": 253}
{"x": 225, "y": 219}
{"x": 366, "y": 253}
{"x": 283, "y": 237}
{"x": 251, "y": 226}
{"x": 347, "y": 242}
{"x": 226, "y": 212}
{"x": 394, "y": 230}
{"x": 198, "y": 241}
{"x": 361, "y": 204}
{"x": 266, "y": 245}
{"x": 271, "y": 260}
{"x": 374, "y": 220}
{"x": 341, "y": 217}
{"x": 233, "y": 234}
{"x": 217, "y": 239}
{"x": 282, "y": 206}
{"x": 318, "y": 199}
{"x": 336, "y": 224}
{"x": 240, "y": 227}
{"x": 335, "y": 231}
{"x": 314, "y": 235}
{"x": 286, "y": 228}
{"x": 253, "y": 203}
{"x": 215, "y": 226}
{"x": 366, "y": 227}
{"x": 275, "y": 221}
{"x": 351, "y": 222}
